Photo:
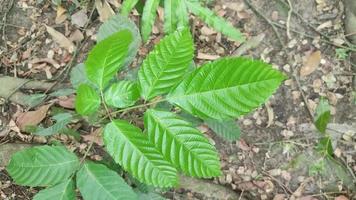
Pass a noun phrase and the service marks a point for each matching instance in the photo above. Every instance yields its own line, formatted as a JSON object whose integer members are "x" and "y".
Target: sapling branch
{"x": 109, "y": 115}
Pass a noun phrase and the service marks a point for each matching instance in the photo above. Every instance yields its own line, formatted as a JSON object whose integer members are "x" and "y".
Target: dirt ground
{"x": 276, "y": 156}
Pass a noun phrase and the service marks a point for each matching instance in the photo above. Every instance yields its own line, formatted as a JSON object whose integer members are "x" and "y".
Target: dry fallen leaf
{"x": 32, "y": 118}
{"x": 80, "y": 18}
{"x": 311, "y": 63}
{"x": 61, "y": 16}
{"x": 95, "y": 137}
{"x": 62, "y": 40}
{"x": 66, "y": 102}
{"x": 341, "y": 197}
{"x": 76, "y": 36}
{"x": 104, "y": 10}
{"x": 203, "y": 56}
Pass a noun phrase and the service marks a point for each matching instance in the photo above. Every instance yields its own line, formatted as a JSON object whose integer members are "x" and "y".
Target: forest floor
{"x": 275, "y": 157}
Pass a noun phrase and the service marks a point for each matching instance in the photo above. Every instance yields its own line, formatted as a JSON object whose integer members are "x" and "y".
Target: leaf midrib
{"x": 49, "y": 165}
{"x": 167, "y": 62}
{"x": 157, "y": 119}
{"x": 99, "y": 183}
{"x": 138, "y": 150}
{"x": 217, "y": 90}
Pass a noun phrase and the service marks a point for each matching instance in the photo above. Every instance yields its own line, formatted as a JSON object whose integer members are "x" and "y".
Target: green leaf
{"x": 119, "y": 23}
{"x": 166, "y": 65}
{"x": 214, "y": 21}
{"x": 62, "y": 191}
{"x": 42, "y": 165}
{"x": 182, "y": 14}
{"x": 96, "y": 181}
{"x": 325, "y": 147}
{"x": 131, "y": 149}
{"x": 122, "y": 94}
{"x": 181, "y": 144}
{"x": 78, "y": 76}
{"x": 227, "y": 129}
{"x": 322, "y": 116}
{"x": 127, "y": 6}
{"x": 62, "y": 120}
{"x": 87, "y": 100}
{"x": 107, "y": 57}
{"x": 148, "y": 18}
{"x": 226, "y": 88}
{"x": 170, "y": 19}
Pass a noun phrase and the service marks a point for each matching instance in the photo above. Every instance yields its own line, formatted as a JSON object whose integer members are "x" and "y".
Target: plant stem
{"x": 105, "y": 106}
{"x": 130, "y": 108}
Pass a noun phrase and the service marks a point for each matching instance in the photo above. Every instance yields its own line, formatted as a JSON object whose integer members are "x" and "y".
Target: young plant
{"x": 176, "y": 16}
{"x": 215, "y": 92}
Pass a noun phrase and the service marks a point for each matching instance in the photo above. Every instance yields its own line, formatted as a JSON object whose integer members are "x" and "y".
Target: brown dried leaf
{"x": 32, "y": 118}
{"x": 341, "y": 197}
{"x": 61, "y": 16}
{"x": 203, "y": 56}
{"x": 66, "y": 102}
{"x": 76, "y": 36}
{"x": 95, "y": 137}
{"x": 62, "y": 40}
{"x": 80, "y": 18}
{"x": 104, "y": 10}
{"x": 311, "y": 63}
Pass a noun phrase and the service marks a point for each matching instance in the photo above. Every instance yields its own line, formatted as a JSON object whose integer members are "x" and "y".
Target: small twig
{"x": 283, "y": 186}
{"x": 16, "y": 89}
{"x": 105, "y": 106}
{"x": 254, "y": 9}
{"x": 86, "y": 152}
{"x": 131, "y": 108}
{"x": 313, "y": 37}
{"x": 305, "y": 100}
{"x": 289, "y": 18}
{"x": 4, "y": 23}
{"x": 241, "y": 195}
{"x": 12, "y": 25}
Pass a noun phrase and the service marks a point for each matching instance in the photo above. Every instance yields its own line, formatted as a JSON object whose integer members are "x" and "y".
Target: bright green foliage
{"x": 227, "y": 129}
{"x": 62, "y": 120}
{"x": 170, "y": 20}
{"x": 322, "y": 116}
{"x": 119, "y": 23}
{"x": 166, "y": 65}
{"x": 176, "y": 16}
{"x": 226, "y": 88}
{"x": 132, "y": 150}
{"x": 87, "y": 100}
{"x": 96, "y": 181}
{"x": 182, "y": 14}
{"x": 42, "y": 166}
{"x": 62, "y": 191}
{"x": 122, "y": 94}
{"x": 214, "y": 21}
{"x": 181, "y": 144}
{"x": 127, "y": 6}
{"x": 325, "y": 147}
{"x": 220, "y": 90}
{"x": 148, "y": 18}
{"x": 106, "y": 58}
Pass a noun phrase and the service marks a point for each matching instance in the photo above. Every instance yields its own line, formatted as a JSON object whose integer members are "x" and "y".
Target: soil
{"x": 275, "y": 157}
